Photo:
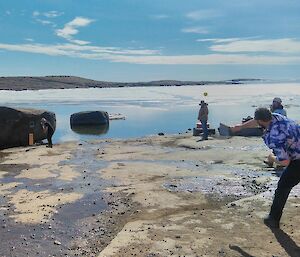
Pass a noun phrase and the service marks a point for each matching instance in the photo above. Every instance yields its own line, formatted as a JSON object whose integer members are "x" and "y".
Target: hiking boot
{"x": 271, "y": 222}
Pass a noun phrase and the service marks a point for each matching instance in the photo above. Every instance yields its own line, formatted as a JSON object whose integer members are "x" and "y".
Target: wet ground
{"x": 157, "y": 196}
{"x": 81, "y": 228}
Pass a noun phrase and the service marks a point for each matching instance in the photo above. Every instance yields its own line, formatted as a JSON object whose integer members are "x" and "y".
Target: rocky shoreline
{"x": 153, "y": 196}
{"x": 71, "y": 82}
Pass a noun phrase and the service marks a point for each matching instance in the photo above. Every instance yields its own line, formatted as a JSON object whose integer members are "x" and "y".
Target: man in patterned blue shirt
{"x": 282, "y": 136}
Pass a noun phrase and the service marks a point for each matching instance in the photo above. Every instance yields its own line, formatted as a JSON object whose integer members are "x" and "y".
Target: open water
{"x": 150, "y": 110}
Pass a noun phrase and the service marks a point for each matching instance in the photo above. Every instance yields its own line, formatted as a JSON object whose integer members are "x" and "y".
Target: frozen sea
{"x": 150, "y": 110}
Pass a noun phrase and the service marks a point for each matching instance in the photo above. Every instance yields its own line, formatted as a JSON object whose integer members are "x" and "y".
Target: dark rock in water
{"x": 91, "y": 122}
{"x": 161, "y": 134}
{"x": 89, "y": 118}
{"x": 90, "y": 130}
{"x": 17, "y": 124}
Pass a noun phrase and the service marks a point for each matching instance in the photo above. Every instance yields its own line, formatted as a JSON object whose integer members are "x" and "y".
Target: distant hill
{"x": 65, "y": 82}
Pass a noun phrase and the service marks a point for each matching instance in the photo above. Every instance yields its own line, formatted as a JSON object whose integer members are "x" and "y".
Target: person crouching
{"x": 48, "y": 130}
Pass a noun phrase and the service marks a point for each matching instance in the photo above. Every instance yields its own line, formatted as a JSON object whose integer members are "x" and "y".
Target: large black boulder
{"x": 91, "y": 129}
{"x": 17, "y": 124}
{"x": 89, "y": 118}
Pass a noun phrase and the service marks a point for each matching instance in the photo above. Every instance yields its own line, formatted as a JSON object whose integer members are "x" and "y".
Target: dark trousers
{"x": 289, "y": 178}
{"x": 204, "y": 128}
{"x": 50, "y": 133}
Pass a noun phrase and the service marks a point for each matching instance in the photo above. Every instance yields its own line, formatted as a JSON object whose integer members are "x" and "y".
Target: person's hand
{"x": 271, "y": 158}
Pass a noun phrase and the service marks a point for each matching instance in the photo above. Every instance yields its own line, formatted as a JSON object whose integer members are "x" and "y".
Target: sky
{"x": 143, "y": 40}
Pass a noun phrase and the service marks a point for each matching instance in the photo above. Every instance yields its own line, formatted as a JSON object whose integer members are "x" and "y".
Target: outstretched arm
{"x": 248, "y": 124}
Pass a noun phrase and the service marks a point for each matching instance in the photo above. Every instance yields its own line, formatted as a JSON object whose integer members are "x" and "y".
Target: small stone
{"x": 57, "y": 242}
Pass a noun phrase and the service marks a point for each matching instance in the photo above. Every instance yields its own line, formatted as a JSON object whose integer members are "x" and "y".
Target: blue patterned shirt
{"x": 283, "y": 137}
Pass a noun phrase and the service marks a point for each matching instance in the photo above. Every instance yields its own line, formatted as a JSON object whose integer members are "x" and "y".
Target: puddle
{"x": 56, "y": 235}
{"x": 90, "y": 205}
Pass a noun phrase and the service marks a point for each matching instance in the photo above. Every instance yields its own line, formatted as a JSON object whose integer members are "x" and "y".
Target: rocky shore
{"x": 69, "y": 82}
{"x": 153, "y": 196}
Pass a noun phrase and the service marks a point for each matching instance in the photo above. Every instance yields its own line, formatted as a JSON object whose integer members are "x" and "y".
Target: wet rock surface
{"x": 156, "y": 196}
{"x": 81, "y": 228}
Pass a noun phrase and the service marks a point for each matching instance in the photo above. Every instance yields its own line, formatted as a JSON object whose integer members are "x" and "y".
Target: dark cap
{"x": 277, "y": 99}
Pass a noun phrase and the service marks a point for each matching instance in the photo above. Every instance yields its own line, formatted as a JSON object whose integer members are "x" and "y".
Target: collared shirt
{"x": 280, "y": 111}
{"x": 283, "y": 137}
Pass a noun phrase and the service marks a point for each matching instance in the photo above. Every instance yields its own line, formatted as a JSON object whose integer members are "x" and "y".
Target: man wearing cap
{"x": 282, "y": 136}
{"x": 203, "y": 117}
{"x": 277, "y": 107}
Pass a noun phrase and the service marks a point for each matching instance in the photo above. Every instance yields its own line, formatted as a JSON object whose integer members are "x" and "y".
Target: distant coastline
{"x": 70, "y": 82}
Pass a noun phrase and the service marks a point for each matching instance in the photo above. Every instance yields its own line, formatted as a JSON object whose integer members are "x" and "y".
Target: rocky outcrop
{"x": 17, "y": 124}
{"x": 89, "y": 118}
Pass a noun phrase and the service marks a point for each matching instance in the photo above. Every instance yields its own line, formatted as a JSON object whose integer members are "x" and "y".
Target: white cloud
{"x": 147, "y": 56}
{"x": 70, "y": 29}
{"x": 79, "y": 22}
{"x": 8, "y": 12}
{"x": 52, "y": 14}
{"x": 202, "y": 15}
{"x": 196, "y": 30}
{"x": 284, "y": 46}
{"x": 218, "y": 40}
{"x": 36, "y": 13}
{"x": 74, "y": 50}
{"x": 40, "y": 17}
{"x": 29, "y": 39}
{"x": 46, "y": 22}
{"x": 209, "y": 59}
{"x": 79, "y": 42}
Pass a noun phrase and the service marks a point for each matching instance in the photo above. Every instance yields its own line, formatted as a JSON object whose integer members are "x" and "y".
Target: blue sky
{"x": 139, "y": 40}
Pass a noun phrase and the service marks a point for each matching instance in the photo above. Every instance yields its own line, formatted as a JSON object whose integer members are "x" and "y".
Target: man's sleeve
{"x": 278, "y": 146}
